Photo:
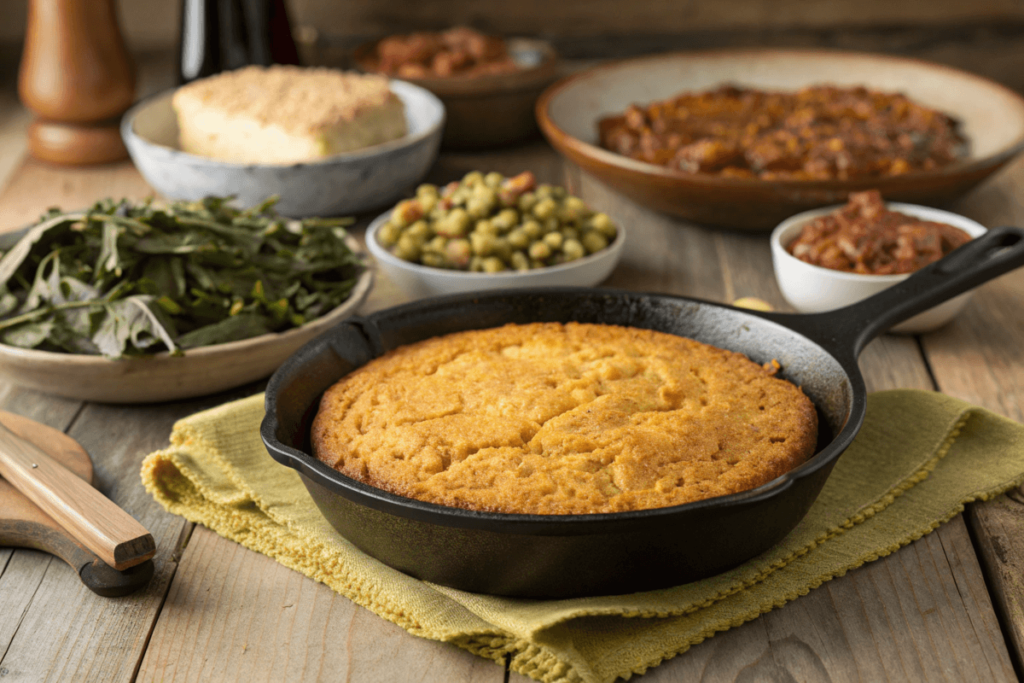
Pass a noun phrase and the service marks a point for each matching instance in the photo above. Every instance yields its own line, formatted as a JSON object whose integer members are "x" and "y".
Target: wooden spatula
{"x": 89, "y": 516}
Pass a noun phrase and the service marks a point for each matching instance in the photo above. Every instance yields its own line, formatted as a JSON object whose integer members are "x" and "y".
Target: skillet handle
{"x": 984, "y": 258}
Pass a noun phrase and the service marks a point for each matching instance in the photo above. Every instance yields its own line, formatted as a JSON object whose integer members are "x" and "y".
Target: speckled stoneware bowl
{"x": 492, "y": 110}
{"x": 568, "y": 112}
{"x": 342, "y": 184}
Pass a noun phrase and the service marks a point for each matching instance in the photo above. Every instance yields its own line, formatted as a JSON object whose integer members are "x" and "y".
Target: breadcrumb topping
{"x": 299, "y": 100}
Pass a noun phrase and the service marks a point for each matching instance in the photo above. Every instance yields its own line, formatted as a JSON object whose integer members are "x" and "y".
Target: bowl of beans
{"x": 836, "y": 256}
{"x": 489, "y": 231}
{"x": 488, "y": 84}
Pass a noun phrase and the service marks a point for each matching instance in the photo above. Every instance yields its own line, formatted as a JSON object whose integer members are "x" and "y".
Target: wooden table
{"x": 949, "y": 607}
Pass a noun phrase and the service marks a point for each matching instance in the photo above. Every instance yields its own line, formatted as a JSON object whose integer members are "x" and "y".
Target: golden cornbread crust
{"x": 296, "y": 99}
{"x": 549, "y": 418}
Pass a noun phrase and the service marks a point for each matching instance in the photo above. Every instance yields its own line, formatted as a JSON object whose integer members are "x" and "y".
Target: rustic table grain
{"x": 949, "y": 607}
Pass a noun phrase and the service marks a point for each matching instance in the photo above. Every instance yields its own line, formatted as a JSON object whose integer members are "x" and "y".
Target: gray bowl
{"x": 342, "y": 184}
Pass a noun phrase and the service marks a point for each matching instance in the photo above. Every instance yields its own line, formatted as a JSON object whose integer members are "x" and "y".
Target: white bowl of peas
{"x": 489, "y": 231}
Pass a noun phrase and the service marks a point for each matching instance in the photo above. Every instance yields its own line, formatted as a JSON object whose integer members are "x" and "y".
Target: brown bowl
{"x": 991, "y": 115}
{"x": 491, "y": 110}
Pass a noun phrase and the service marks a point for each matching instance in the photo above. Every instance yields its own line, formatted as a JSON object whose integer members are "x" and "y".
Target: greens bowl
{"x": 86, "y": 311}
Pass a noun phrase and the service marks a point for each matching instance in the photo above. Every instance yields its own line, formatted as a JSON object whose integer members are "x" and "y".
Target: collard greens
{"x": 124, "y": 279}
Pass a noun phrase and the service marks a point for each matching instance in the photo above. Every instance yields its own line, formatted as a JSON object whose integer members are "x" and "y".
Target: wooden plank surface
{"x": 99, "y": 638}
{"x": 922, "y": 613}
{"x": 235, "y": 615}
{"x": 102, "y": 638}
{"x": 210, "y": 627}
{"x": 22, "y": 571}
{"x": 980, "y": 358}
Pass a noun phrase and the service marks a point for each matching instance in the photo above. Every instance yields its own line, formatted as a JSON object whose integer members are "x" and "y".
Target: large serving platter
{"x": 992, "y": 118}
{"x": 161, "y": 376}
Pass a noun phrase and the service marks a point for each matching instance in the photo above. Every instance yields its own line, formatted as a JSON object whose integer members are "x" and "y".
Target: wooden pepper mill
{"x": 77, "y": 79}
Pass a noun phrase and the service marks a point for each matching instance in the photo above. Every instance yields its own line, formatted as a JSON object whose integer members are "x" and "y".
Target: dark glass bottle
{"x": 219, "y": 35}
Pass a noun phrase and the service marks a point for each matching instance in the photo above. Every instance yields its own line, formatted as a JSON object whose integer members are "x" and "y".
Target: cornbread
{"x": 549, "y": 418}
{"x": 286, "y": 114}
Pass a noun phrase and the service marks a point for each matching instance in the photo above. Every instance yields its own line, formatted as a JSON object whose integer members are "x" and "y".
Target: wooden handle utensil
{"x": 92, "y": 518}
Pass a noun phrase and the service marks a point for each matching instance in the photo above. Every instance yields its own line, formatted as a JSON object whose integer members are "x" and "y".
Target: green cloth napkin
{"x": 919, "y": 457}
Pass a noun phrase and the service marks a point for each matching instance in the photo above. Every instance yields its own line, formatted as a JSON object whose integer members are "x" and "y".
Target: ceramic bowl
{"x": 422, "y": 281}
{"x": 813, "y": 289}
{"x": 487, "y": 111}
{"x": 338, "y": 185}
{"x": 991, "y": 115}
{"x": 161, "y": 376}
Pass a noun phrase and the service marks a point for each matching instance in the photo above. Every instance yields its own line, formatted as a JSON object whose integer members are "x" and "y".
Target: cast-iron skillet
{"x": 574, "y": 555}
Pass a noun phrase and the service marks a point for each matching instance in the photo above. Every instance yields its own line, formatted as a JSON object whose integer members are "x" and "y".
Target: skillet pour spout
{"x": 562, "y": 556}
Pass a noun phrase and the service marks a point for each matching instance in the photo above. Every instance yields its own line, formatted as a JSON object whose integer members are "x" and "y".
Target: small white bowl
{"x": 342, "y": 184}
{"x": 422, "y": 281}
{"x": 813, "y": 289}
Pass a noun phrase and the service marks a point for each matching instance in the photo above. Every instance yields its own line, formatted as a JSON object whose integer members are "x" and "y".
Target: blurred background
{"x": 984, "y": 36}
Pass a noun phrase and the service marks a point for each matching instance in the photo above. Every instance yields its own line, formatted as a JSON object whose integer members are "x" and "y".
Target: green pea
{"x": 458, "y": 223}
{"x": 486, "y": 193}
{"x": 545, "y": 208}
{"x": 493, "y": 264}
{"x": 532, "y": 229}
{"x": 408, "y": 248}
{"x": 472, "y": 178}
{"x": 539, "y": 251}
{"x": 573, "y": 250}
{"x": 603, "y": 224}
{"x": 553, "y": 240}
{"x": 433, "y": 260}
{"x": 543, "y": 191}
{"x": 570, "y": 233}
{"x": 437, "y": 244}
{"x": 481, "y": 243}
{"x": 526, "y": 201}
{"x": 388, "y": 234}
{"x": 518, "y": 238}
{"x": 519, "y": 260}
{"x": 506, "y": 219}
{"x": 493, "y": 179}
{"x": 551, "y": 224}
{"x": 427, "y": 190}
{"x": 594, "y": 241}
{"x": 476, "y": 264}
{"x": 421, "y": 230}
{"x": 486, "y": 227}
{"x": 427, "y": 202}
{"x": 501, "y": 247}
{"x": 477, "y": 209}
